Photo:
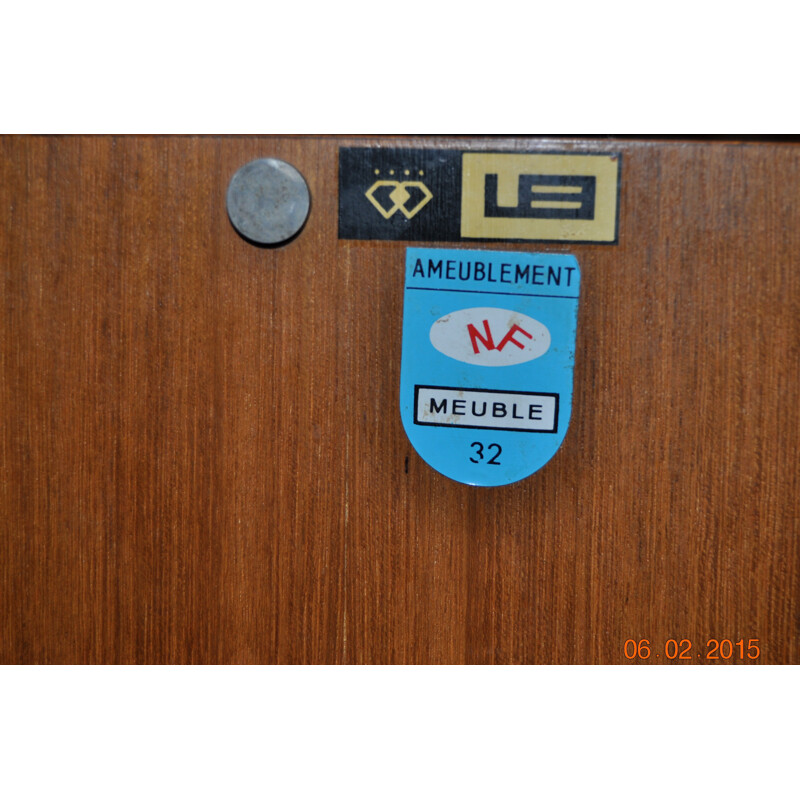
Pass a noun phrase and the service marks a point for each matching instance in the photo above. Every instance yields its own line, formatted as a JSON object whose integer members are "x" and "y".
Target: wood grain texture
{"x": 203, "y": 460}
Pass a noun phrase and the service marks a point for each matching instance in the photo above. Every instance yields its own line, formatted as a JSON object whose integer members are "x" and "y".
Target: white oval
{"x": 490, "y": 337}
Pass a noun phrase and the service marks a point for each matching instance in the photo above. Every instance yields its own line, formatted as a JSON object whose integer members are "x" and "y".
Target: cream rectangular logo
{"x": 539, "y": 196}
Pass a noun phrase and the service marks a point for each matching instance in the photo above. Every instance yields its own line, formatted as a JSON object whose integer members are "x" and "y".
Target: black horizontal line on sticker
{"x": 483, "y": 427}
{"x": 483, "y": 291}
{"x": 482, "y": 389}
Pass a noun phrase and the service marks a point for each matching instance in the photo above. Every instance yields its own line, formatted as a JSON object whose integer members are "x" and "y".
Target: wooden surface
{"x": 203, "y": 460}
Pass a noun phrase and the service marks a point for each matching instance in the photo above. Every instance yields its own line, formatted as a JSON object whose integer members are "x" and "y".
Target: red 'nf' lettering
{"x": 488, "y": 342}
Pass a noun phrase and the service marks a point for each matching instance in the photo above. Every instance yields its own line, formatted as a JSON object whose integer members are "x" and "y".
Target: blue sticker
{"x": 488, "y": 355}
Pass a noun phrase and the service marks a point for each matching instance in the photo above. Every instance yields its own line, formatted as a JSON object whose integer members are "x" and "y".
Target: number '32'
{"x": 479, "y": 452}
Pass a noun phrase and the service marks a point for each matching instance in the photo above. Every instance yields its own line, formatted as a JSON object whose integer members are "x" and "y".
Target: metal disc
{"x": 268, "y": 201}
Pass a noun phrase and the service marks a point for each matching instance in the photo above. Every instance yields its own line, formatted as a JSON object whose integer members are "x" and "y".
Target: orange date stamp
{"x": 685, "y": 650}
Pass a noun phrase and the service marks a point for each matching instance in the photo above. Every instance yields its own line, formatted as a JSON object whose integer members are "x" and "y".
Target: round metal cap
{"x": 268, "y": 201}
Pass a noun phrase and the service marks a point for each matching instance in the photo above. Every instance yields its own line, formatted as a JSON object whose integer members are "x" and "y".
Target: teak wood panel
{"x": 202, "y": 453}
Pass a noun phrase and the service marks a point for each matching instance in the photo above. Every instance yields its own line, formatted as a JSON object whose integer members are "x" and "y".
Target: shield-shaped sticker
{"x": 488, "y": 355}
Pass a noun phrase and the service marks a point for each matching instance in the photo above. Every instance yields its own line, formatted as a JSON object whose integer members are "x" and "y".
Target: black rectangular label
{"x": 405, "y": 194}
